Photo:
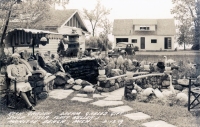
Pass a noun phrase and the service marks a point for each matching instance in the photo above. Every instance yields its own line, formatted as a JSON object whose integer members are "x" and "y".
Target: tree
{"x": 184, "y": 35}
{"x": 25, "y": 11}
{"x": 32, "y": 12}
{"x": 92, "y": 42}
{"x": 186, "y": 13}
{"x": 107, "y": 28}
{"x": 96, "y": 16}
{"x": 6, "y": 5}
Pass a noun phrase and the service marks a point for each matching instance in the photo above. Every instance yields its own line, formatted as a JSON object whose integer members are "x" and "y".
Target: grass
{"x": 176, "y": 115}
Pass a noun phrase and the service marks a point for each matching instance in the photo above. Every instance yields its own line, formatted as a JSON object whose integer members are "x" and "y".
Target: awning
{"x": 34, "y": 31}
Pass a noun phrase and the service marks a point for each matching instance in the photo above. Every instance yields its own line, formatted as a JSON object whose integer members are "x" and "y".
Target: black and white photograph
{"x": 99, "y": 63}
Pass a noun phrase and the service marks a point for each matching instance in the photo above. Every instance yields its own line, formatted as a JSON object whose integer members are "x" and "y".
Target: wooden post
{"x": 13, "y": 49}
{"x": 189, "y": 94}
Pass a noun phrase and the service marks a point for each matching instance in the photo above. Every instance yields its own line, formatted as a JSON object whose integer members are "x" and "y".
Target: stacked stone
{"x": 145, "y": 82}
{"x": 110, "y": 85}
{"x": 128, "y": 89}
{"x": 175, "y": 77}
{"x": 83, "y": 69}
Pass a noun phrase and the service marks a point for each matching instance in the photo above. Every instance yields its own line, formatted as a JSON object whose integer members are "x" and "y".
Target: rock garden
{"x": 142, "y": 81}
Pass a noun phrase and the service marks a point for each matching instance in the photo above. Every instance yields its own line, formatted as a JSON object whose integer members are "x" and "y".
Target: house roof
{"x": 125, "y": 27}
{"x": 57, "y": 18}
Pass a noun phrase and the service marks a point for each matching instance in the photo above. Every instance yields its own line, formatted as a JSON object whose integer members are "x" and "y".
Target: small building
{"x": 64, "y": 22}
{"x": 59, "y": 23}
{"x": 147, "y": 34}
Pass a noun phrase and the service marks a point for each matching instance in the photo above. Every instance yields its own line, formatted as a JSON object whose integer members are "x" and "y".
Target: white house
{"x": 147, "y": 34}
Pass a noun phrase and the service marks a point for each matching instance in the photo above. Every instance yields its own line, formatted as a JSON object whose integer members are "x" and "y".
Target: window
{"x": 121, "y": 40}
{"x": 134, "y": 40}
{"x": 153, "y": 41}
{"x": 144, "y": 28}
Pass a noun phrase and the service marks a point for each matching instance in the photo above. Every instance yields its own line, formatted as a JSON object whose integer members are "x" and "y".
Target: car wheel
{"x": 133, "y": 52}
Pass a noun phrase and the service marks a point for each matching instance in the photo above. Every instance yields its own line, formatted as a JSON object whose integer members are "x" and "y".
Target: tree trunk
{"x": 93, "y": 32}
{"x": 2, "y": 45}
{"x": 184, "y": 45}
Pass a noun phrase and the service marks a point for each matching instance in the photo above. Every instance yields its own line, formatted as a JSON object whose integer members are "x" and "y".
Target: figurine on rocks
{"x": 120, "y": 63}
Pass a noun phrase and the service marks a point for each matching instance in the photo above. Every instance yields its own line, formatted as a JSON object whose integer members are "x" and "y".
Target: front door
{"x": 142, "y": 45}
{"x": 167, "y": 43}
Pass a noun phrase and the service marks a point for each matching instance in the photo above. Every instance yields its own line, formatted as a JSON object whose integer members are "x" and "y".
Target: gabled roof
{"x": 125, "y": 27}
{"x": 57, "y": 18}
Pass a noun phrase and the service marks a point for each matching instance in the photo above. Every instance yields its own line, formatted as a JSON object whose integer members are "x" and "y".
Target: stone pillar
{"x": 128, "y": 89}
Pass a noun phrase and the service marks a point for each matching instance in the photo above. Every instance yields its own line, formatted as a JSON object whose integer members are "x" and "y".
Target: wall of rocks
{"x": 117, "y": 80}
{"x": 154, "y": 81}
{"x": 85, "y": 69}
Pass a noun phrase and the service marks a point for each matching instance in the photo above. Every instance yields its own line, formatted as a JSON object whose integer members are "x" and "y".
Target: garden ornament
{"x": 120, "y": 60}
{"x": 171, "y": 87}
{"x": 158, "y": 93}
{"x": 148, "y": 91}
{"x": 168, "y": 62}
{"x": 167, "y": 93}
{"x": 182, "y": 98}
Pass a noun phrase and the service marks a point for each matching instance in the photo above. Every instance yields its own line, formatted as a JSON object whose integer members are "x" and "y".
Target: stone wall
{"x": 157, "y": 80}
{"x": 85, "y": 69}
{"x": 112, "y": 83}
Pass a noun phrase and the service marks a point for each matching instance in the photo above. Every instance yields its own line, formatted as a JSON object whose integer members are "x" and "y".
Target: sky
{"x": 127, "y": 9}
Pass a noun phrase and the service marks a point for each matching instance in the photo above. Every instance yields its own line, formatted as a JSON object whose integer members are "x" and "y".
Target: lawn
{"x": 176, "y": 115}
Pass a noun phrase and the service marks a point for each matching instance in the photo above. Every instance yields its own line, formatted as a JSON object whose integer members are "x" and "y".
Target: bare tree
{"x": 96, "y": 15}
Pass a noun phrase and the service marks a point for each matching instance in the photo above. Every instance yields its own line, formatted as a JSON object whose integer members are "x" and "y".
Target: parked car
{"x": 122, "y": 48}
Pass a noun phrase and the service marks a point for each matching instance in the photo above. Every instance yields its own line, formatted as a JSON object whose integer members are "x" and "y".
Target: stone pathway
{"x": 113, "y": 99}
{"x": 60, "y": 93}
